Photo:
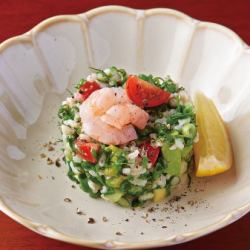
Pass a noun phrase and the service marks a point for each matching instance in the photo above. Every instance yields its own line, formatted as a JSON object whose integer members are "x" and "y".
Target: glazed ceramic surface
{"x": 37, "y": 68}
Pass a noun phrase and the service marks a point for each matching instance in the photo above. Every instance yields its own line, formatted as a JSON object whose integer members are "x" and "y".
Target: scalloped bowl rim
{"x": 51, "y": 232}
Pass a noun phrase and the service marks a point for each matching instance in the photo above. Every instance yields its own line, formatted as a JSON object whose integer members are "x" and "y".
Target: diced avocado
{"x": 114, "y": 158}
{"x": 159, "y": 194}
{"x": 113, "y": 197}
{"x": 189, "y": 130}
{"x": 184, "y": 167}
{"x": 114, "y": 149}
{"x": 146, "y": 196}
{"x": 175, "y": 180}
{"x": 135, "y": 190}
{"x": 174, "y": 133}
{"x": 111, "y": 171}
{"x": 115, "y": 182}
{"x": 116, "y": 153}
{"x": 186, "y": 152}
{"x": 173, "y": 159}
{"x": 123, "y": 202}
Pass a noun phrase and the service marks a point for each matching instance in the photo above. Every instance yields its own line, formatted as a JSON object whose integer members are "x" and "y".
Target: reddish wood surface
{"x": 18, "y": 16}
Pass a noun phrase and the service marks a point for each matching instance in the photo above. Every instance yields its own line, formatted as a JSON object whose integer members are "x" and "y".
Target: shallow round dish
{"x": 37, "y": 67}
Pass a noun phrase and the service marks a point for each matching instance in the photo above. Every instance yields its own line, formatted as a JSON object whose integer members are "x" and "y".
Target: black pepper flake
{"x": 127, "y": 220}
{"x": 176, "y": 198}
{"x": 164, "y": 227}
{"x": 118, "y": 233}
{"x": 104, "y": 219}
{"x": 43, "y": 155}
{"x": 73, "y": 186}
{"x": 154, "y": 219}
{"x": 57, "y": 163}
{"x": 52, "y": 177}
{"x": 151, "y": 210}
{"x": 79, "y": 212}
{"x": 191, "y": 202}
{"x": 91, "y": 220}
{"x": 67, "y": 200}
{"x": 142, "y": 233}
{"x": 51, "y": 148}
{"x": 49, "y": 161}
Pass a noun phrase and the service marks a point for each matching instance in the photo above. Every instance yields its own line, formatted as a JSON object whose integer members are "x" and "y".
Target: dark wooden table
{"x": 18, "y": 16}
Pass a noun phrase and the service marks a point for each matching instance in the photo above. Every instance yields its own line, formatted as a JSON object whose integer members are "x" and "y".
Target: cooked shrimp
{"x": 107, "y": 116}
{"x": 101, "y": 100}
{"x": 123, "y": 114}
{"x": 102, "y": 132}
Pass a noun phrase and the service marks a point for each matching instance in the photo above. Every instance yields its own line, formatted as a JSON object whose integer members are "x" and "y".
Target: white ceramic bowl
{"x": 37, "y": 67}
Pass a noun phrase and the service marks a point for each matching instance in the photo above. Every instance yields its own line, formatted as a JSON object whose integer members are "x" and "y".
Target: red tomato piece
{"x": 85, "y": 150}
{"x": 145, "y": 94}
{"x": 152, "y": 152}
{"x": 86, "y": 90}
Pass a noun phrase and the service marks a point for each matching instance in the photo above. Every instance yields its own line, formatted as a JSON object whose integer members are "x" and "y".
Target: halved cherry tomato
{"x": 86, "y": 90}
{"x": 85, "y": 150}
{"x": 152, "y": 152}
{"x": 145, "y": 94}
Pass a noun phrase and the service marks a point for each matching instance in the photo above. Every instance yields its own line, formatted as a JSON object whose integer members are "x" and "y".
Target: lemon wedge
{"x": 213, "y": 152}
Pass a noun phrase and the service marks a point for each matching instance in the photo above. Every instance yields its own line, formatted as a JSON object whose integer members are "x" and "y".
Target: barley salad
{"x": 128, "y": 139}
